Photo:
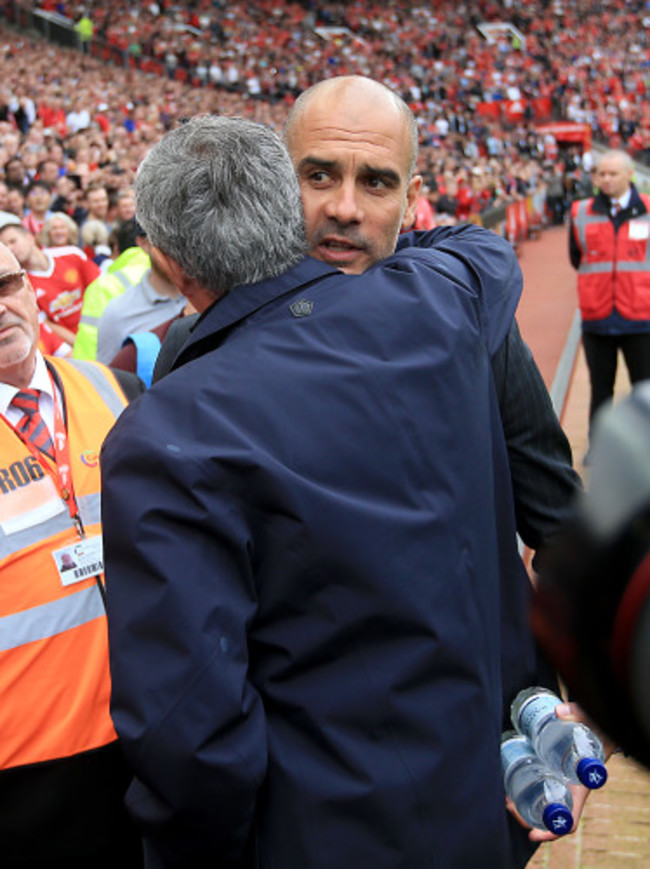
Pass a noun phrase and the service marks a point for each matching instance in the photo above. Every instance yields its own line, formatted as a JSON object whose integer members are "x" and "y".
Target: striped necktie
{"x": 616, "y": 208}
{"x": 32, "y": 425}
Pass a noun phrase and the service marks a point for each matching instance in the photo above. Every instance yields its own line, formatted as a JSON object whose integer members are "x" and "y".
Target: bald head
{"x": 348, "y": 95}
{"x": 353, "y": 143}
{"x": 613, "y": 174}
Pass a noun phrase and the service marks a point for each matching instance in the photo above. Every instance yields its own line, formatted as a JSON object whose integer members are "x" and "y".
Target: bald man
{"x": 354, "y": 144}
{"x": 608, "y": 245}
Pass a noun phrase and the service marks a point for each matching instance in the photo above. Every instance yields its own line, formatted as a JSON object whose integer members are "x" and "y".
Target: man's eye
{"x": 12, "y": 283}
{"x": 319, "y": 176}
{"x": 379, "y": 183}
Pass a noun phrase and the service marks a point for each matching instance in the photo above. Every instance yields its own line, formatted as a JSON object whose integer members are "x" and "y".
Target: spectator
{"x": 38, "y": 201}
{"x": 68, "y": 197}
{"x": 62, "y": 777}
{"x": 96, "y": 202}
{"x": 129, "y": 265}
{"x": 16, "y": 201}
{"x": 609, "y": 245}
{"x": 94, "y": 236}
{"x": 49, "y": 172}
{"x": 154, "y": 299}
{"x": 59, "y": 230}
{"x": 59, "y": 275}
{"x": 15, "y": 173}
{"x": 556, "y": 194}
{"x": 124, "y": 205}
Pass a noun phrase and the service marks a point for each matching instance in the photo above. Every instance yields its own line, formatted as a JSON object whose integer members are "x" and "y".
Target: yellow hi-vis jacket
{"x": 127, "y": 271}
{"x": 54, "y": 676}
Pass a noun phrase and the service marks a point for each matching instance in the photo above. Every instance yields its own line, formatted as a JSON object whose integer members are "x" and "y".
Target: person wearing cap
{"x": 8, "y": 218}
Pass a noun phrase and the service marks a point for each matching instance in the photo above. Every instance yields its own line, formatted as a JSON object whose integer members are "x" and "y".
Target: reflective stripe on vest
{"x": 54, "y": 674}
{"x": 51, "y": 619}
{"x": 103, "y": 381}
{"x": 613, "y": 265}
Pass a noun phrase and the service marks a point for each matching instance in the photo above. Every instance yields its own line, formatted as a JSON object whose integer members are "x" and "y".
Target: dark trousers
{"x": 68, "y": 814}
{"x": 601, "y": 352}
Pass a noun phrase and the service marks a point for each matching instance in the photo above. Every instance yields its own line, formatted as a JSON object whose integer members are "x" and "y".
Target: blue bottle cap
{"x": 558, "y": 819}
{"x": 592, "y": 772}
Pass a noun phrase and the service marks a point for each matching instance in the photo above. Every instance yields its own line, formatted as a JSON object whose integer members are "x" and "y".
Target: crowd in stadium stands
{"x": 477, "y": 100}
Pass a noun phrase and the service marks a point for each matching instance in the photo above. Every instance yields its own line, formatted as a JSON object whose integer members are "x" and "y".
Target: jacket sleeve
{"x": 575, "y": 254}
{"x": 478, "y": 258}
{"x": 544, "y": 483}
{"x": 543, "y": 479}
{"x": 180, "y": 595}
{"x": 176, "y": 336}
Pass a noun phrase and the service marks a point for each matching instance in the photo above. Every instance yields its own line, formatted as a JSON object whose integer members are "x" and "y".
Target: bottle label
{"x": 538, "y": 706}
{"x": 515, "y": 748}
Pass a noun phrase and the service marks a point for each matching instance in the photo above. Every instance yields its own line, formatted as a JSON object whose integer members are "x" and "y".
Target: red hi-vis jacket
{"x": 54, "y": 676}
{"x": 614, "y": 267}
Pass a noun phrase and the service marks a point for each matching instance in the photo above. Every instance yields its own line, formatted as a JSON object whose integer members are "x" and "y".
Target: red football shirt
{"x": 61, "y": 286}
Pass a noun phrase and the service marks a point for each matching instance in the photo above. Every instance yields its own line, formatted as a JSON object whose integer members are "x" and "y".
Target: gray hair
{"x": 220, "y": 197}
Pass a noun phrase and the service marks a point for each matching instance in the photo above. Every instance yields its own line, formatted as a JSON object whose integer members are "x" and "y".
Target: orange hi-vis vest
{"x": 614, "y": 267}
{"x": 54, "y": 676}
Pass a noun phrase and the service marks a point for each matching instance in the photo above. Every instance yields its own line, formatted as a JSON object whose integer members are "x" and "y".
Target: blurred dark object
{"x": 592, "y": 610}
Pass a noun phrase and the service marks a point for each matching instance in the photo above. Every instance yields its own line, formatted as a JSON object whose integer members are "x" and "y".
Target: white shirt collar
{"x": 623, "y": 200}
{"x": 40, "y": 380}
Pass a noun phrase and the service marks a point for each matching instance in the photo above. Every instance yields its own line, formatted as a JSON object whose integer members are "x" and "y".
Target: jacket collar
{"x": 636, "y": 205}
{"x": 243, "y": 301}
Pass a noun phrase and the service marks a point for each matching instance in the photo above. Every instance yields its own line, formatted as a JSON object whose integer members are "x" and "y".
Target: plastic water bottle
{"x": 540, "y": 795}
{"x": 566, "y": 746}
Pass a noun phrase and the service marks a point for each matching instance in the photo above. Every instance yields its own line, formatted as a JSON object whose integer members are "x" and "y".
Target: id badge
{"x": 80, "y": 560}
{"x": 639, "y": 230}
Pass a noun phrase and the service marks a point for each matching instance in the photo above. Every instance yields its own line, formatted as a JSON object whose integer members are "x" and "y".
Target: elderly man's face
{"x": 613, "y": 176}
{"x": 18, "y": 322}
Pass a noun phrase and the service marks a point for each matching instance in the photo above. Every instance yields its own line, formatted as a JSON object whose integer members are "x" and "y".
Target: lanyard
{"x": 59, "y": 470}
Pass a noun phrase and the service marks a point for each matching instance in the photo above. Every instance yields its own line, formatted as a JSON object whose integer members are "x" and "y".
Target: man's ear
{"x": 200, "y": 297}
{"x": 412, "y": 193}
{"x": 169, "y": 266}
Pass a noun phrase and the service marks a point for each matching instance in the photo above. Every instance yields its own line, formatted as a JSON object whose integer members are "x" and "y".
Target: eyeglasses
{"x": 12, "y": 282}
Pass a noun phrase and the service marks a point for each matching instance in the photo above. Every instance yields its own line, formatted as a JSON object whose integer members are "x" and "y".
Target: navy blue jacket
{"x": 316, "y": 607}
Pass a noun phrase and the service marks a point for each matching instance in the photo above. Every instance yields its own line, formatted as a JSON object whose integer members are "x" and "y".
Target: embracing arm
{"x": 543, "y": 479}
{"x": 180, "y": 596}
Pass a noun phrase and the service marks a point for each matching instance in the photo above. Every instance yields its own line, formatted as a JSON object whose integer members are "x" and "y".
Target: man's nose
{"x": 344, "y": 205}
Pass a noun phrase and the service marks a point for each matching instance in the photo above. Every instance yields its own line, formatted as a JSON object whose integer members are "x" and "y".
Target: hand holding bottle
{"x": 540, "y": 796}
{"x": 568, "y": 747}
